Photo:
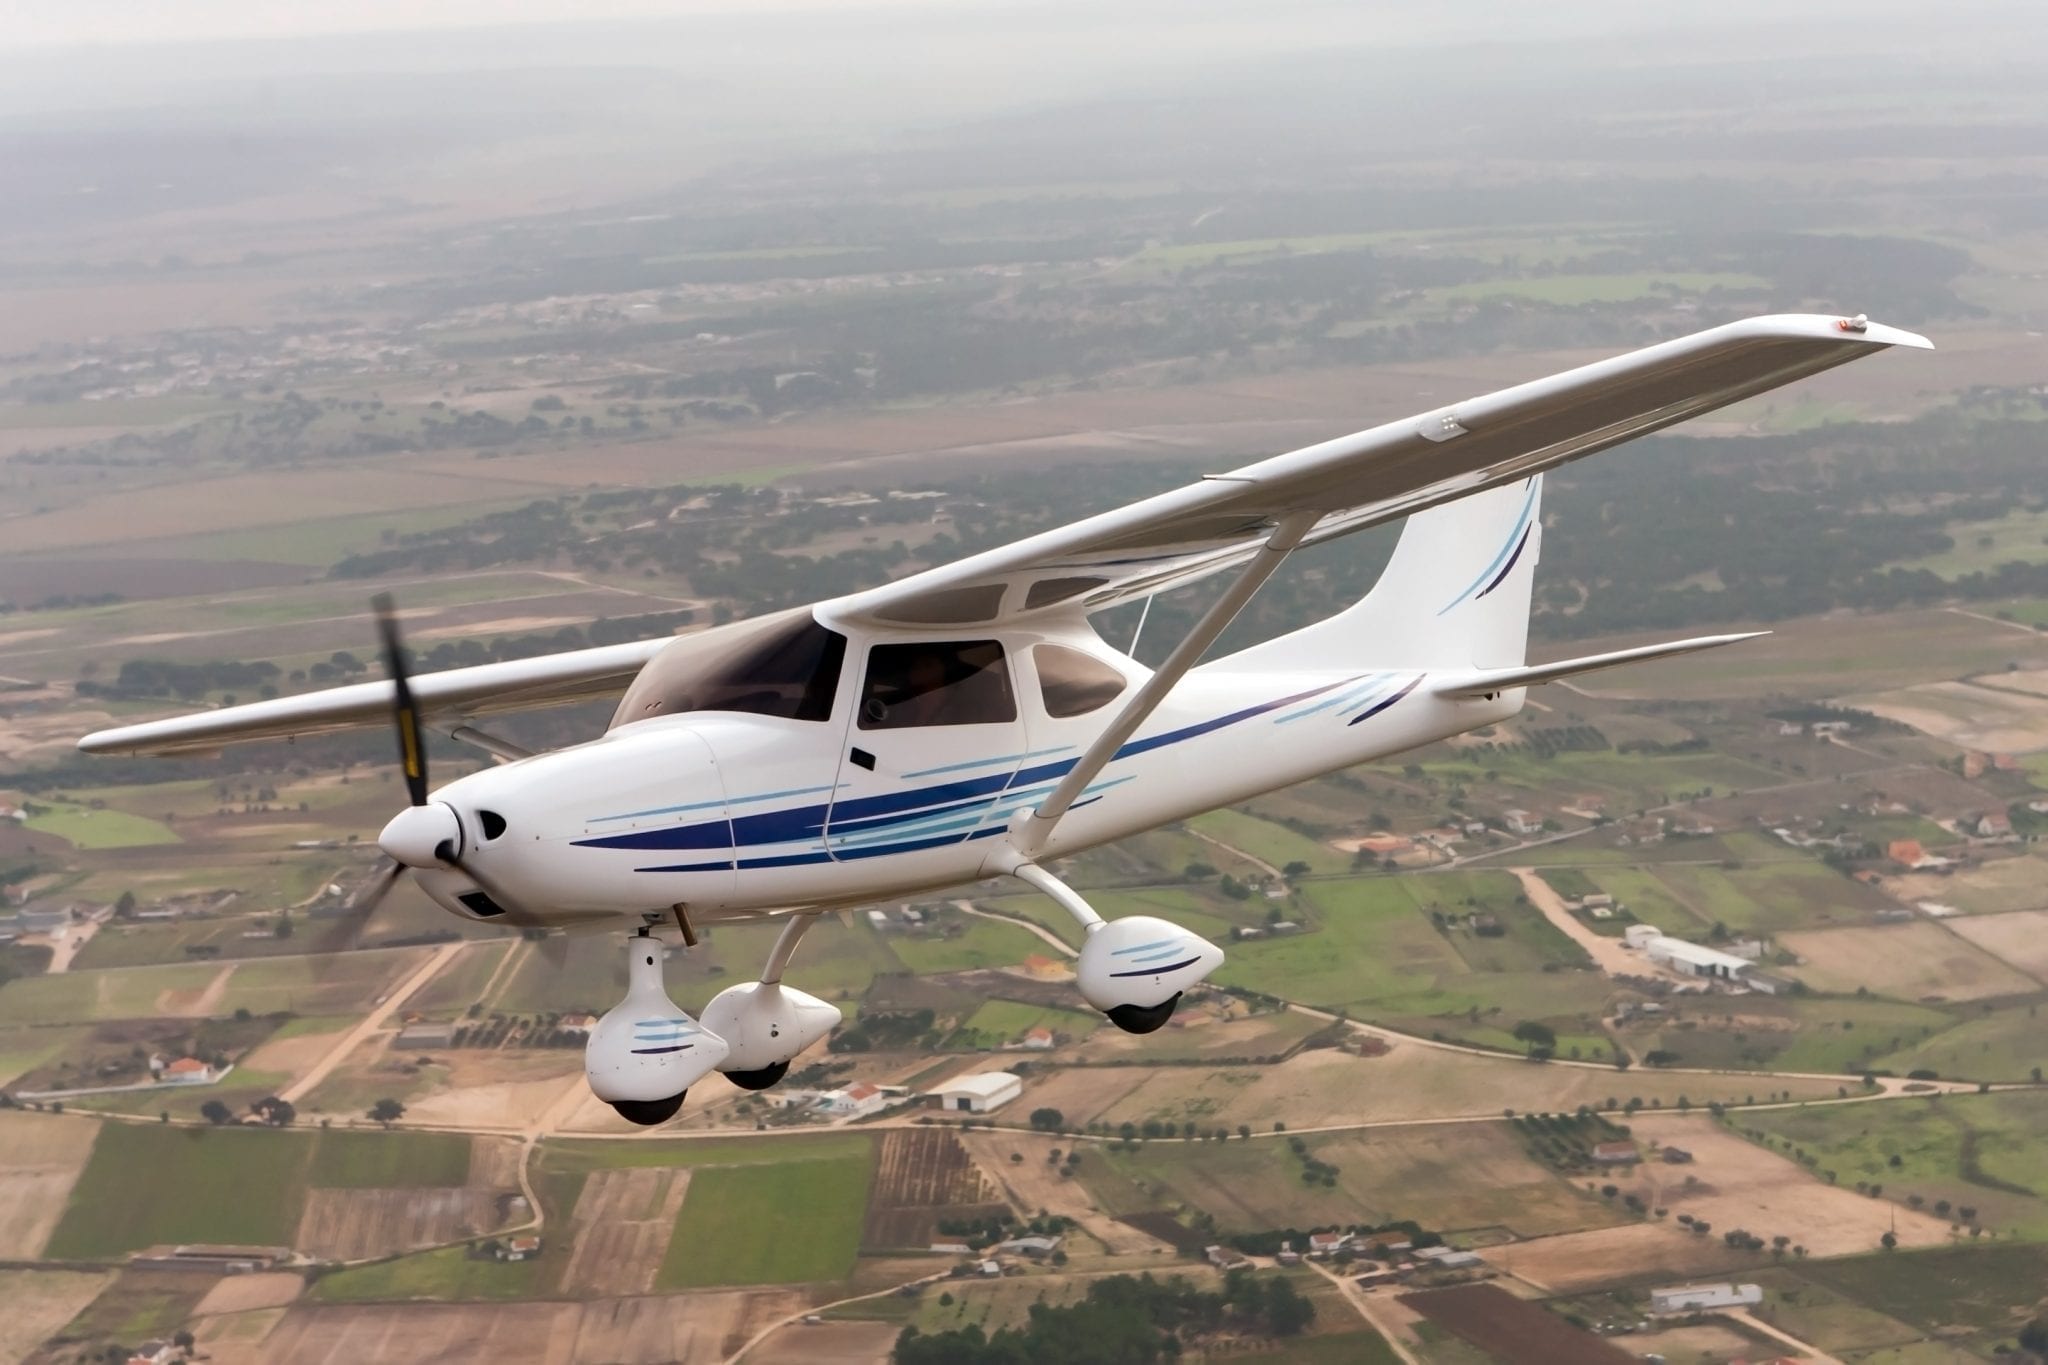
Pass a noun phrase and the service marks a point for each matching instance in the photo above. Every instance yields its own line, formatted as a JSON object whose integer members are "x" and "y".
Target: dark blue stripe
{"x": 1159, "y": 971}
{"x": 1512, "y": 560}
{"x": 867, "y": 812}
{"x": 654, "y": 1051}
{"x": 1375, "y": 709}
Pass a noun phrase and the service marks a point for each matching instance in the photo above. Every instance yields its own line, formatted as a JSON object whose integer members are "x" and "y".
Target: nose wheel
{"x": 647, "y": 1113}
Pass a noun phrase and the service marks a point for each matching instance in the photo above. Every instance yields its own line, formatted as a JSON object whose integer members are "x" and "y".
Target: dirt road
{"x": 1610, "y": 955}
{"x": 372, "y": 1022}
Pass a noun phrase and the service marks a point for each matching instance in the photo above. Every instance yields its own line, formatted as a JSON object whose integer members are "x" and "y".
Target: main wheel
{"x": 647, "y": 1113}
{"x": 759, "y": 1079}
{"x": 1143, "y": 1018}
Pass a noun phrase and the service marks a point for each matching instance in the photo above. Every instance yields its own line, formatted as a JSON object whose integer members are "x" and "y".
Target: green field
{"x": 1981, "y": 546}
{"x": 787, "y": 1223}
{"x": 572, "y": 1155}
{"x": 1988, "y": 1290}
{"x": 1466, "y": 1177}
{"x": 1006, "y": 1021}
{"x": 446, "y": 1275}
{"x": 146, "y": 1184}
{"x": 1978, "y": 1151}
{"x": 1270, "y": 842}
{"x": 980, "y": 943}
{"x": 86, "y": 828}
{"x": 2007, "y": 1045}
{"x": 372, "y": 1160}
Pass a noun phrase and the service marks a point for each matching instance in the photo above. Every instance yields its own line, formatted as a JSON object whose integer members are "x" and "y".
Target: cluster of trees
{"x": 1565, "y": 1141}
{"x": 1123, "y": 1320}
{"x": 883, "y": 1029}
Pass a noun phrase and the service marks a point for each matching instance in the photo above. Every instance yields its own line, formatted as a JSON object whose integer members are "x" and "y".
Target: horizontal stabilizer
{"x": 1489, "y": 681}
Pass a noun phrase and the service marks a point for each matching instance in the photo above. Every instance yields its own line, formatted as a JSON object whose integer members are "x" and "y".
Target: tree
{"x": 1889, "y": 1241}
{"x": 387, "y": 1111}
{"x": 1288, "y": 1311}
{"x": 1536, "y": 1035}
{"x": 1048, "y": 1120}
{"x": 214, "y": 1112}
{"x": 278, "y": 1113}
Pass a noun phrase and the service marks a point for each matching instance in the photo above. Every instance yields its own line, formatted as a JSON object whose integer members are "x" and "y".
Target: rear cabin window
{"x": 785, "y": 665}
{"x": 1072, "y": 683}
{"x": 939, "y": 682}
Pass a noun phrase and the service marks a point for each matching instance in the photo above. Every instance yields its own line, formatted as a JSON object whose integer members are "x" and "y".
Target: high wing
{"x": 1317, "y": 494}
{"x": 1372, "y": 477}
{"x": 515, "y": 685}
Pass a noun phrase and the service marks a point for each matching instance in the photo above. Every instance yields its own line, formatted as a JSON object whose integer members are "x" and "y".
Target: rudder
{"x": 1455, "y": 594}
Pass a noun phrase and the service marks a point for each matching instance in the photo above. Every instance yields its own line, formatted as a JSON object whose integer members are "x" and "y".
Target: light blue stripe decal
{"x": 1171, "y": 950}
{"x": 1369, "y": 686}
{"x": 990, "y": 762}
{"x": 713, "y": 805}
{"x": 1145, "y": 947}
{"x": 1506, "y": 549}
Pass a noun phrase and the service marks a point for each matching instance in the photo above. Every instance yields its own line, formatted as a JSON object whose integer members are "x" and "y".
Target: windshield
{"x": 784, "y": 665}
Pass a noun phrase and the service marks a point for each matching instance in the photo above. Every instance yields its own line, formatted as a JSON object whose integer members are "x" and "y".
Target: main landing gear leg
{"x": 765, "y": 1023}
{"x": 1133, "y": 969}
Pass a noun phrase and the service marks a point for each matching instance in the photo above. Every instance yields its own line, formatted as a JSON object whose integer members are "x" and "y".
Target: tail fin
{"x": 1455, "y": 595}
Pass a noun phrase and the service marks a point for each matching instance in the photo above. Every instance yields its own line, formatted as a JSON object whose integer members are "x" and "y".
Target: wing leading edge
{"x": 1373, "y": 476}
{"x": 515, "y": 685}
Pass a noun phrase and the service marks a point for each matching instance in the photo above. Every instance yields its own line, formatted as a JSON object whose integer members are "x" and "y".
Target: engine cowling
{"x": 763, "y": 1023}
{"x": 1142, "y": 961}
{"x": 646, "y": 1052}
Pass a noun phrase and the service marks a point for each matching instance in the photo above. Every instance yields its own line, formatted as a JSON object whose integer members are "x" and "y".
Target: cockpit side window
{"x": 938, "y": 682}
{"x": 1072, "y": 683}
{"x": 786, "y": 665}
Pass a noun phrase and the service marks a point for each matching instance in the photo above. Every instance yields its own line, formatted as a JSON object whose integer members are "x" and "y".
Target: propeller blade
{"x": 412, "y": 740}
{"x": 340, "y": 933}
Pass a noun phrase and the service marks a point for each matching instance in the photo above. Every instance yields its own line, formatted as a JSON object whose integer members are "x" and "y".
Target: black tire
{"x": 647, "y": 1113}
{"x": 759, "y": 1079}
{"x": 1143, "y": 1018}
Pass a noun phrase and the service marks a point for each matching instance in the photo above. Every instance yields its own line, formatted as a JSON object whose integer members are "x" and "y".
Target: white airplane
{"x": 967, "y": 722}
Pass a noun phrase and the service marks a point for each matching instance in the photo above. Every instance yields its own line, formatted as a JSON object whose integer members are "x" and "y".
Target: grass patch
{"x": 86, "y": 828}
{"x": 586, "y": 1156}
{"x": 789, "y": 1223}
{"x": 1985, "y": 1152}
{"x": 145, "y": 1184}
{"x": 379, "y": 1160}
{"x": 447, "y": 1274}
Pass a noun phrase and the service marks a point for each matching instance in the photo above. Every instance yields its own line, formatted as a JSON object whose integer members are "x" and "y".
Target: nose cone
{"x": 417, "y": 833}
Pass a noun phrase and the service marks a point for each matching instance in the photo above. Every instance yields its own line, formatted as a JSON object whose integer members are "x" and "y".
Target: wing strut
{"x": 1029, "y": 832}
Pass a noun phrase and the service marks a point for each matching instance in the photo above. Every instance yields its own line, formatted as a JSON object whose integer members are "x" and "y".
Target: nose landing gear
{"x": 646, "y": 1053}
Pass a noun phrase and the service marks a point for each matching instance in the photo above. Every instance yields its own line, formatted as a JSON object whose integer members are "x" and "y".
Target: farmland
{"x": 1467, "y": 1177}
{"x": 1975, "y": 1152}
{"x": 781, "y": 1223}
{"x": 146, "y": 1184}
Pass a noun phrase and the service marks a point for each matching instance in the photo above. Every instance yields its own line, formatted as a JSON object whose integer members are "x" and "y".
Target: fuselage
{"x": 734, "y": 813}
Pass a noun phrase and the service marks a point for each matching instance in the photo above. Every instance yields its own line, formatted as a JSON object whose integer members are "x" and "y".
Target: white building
{"x": 1694, "y": 959}
{"x": 1639, "y": 936}
{"x": 1692, "y": 1298}
{"x": 979, "y": 1093}
{"x": 1521, "y": 822}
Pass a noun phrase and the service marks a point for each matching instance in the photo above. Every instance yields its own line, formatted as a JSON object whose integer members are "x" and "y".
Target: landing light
{"x": 1859, "y": 323}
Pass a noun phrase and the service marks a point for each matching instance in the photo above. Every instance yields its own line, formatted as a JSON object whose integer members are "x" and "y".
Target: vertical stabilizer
{"x": 1455, "y": 594}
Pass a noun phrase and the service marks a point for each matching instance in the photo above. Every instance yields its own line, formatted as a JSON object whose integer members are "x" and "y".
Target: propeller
{"x": 434, "y": 834}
